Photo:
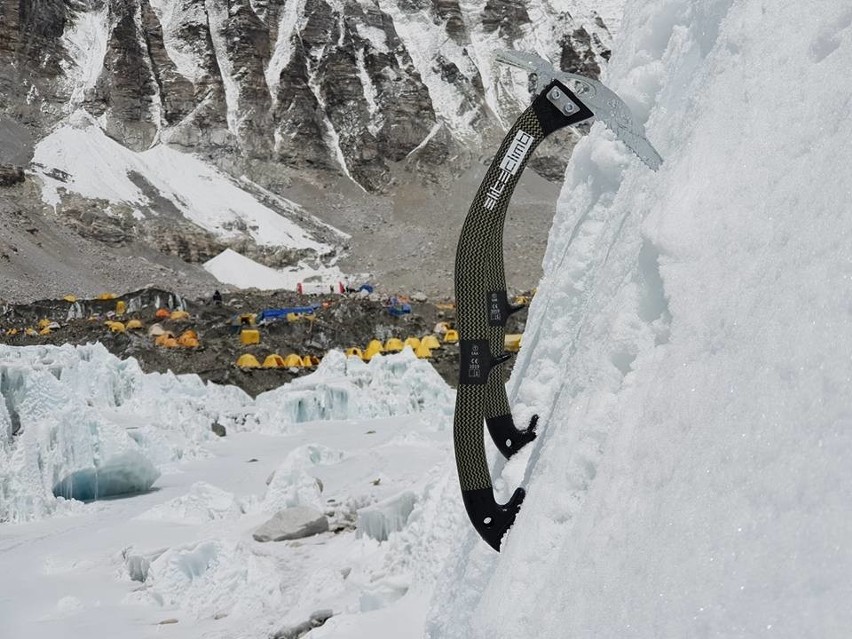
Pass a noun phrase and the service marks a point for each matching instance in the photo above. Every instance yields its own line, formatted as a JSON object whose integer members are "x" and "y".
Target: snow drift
{"x": 688, "y": 351}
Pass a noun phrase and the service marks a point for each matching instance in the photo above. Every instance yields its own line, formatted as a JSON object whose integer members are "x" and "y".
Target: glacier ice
{"x": 77, "y": 422}
{"x": 378, "y": 521}
{"x": 347, "y": 388}
{"x": 126, "y": 473}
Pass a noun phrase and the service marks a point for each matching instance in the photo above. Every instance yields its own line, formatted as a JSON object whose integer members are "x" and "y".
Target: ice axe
{"x": 482, "y": 306}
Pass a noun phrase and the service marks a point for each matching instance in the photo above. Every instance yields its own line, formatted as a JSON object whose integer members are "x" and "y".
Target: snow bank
{"x": 77, "y": 422}
{"x": 347, "y": 388}
{"x": 689, "y": 351}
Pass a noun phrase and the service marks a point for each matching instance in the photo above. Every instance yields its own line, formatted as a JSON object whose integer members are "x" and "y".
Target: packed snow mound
{"x": 77, "y": 422}
{"x": 688, "y": 351}
{"x": 347, "y": 388}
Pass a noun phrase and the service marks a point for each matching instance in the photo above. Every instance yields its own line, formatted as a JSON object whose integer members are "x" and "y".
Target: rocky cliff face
{"x": 348, "y": 86}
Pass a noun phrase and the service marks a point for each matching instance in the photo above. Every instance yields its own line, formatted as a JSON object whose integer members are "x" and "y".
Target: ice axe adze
{"x": 482, "y": 307}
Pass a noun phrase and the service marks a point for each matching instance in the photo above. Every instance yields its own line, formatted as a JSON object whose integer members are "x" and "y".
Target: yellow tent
{"x": 43, "y": 323}
{"x": 430, "y": 341}
{"x": 163, "y": 338}
{"x": 293, "y": 361}
{"x": 171, "y": 342}
{"x": 512, "y": 342}
{"x": 106, "y": 296}
{"x": 188, "y": 339}
{"x": 70, "y": 298}
{"x": 120, "y": 307}
{"x": 423, "y": 352}
{"x": 45, "y": 331}
{"x": 247, "y": 360}
{"x": 413, "y": 342}
{"x": 307, "y": 362}
{"x": 375, "y": 346}
{"x": 162, "y": 313}
{"x": 249, "y": 336}
{"x": 451, "y": 337}
{"x": 393, "y": 345}
{"x": 116, "y": 327}
{"x": 273, "y": 361}
{"x": 12, "y": 331}
{"x": 314, "y": 360}
{"x": 135, "y": 324}
{"x": 354, "y": 351}
{"x": 179, "y": 315}
{"x": 31, "y": 332}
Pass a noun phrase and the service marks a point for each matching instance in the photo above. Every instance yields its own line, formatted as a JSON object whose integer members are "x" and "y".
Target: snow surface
{"x": 86, "y": 40}
{"x": 181, "y": 558}
{"x": 243, "y": 272}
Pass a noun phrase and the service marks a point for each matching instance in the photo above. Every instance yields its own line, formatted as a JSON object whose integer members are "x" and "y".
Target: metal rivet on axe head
{"x": 555, "y": 93}
{"x": 569, "y": 108}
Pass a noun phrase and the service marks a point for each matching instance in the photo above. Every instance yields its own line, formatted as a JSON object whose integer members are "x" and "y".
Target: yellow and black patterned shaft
{"x": 482, "y": 310}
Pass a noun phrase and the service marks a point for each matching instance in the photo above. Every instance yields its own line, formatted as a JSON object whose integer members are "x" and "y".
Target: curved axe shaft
{"x": 482, "y": 307}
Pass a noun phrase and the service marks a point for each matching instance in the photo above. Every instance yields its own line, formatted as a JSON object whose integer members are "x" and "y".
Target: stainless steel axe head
{"x": 602, "y": 101}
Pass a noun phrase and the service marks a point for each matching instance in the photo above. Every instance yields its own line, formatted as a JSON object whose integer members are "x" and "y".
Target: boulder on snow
{"x": 316, "y": 619}
{"x": 292, "y": 523}
{"x": 217, "y": 428}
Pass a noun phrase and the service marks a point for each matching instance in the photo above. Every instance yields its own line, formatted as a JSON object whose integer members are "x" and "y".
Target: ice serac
{"x": 688, "y": 352}
{"x": 123, "y": 474}
{"x": 347, "y": 388}
{"x": 378, "y": 521}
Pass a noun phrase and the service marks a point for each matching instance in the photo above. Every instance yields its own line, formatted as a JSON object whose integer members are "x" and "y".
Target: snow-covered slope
{"x": 689, "y": 351}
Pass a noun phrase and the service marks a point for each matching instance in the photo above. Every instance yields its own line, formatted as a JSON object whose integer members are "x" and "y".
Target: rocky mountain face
{"x": 348, "y": 86}
{"x": 380, "y": 93}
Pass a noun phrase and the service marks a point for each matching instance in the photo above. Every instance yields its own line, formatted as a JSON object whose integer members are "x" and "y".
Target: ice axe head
{"x": 600, "y": 100}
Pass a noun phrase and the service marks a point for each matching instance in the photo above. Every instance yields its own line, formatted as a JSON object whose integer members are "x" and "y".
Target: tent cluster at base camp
{"x": 422, "y": 347}
{"x": 247, "y": 360}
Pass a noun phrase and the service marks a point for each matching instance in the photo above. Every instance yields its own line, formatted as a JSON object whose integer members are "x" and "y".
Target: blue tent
{"x": 268, "y": 315}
